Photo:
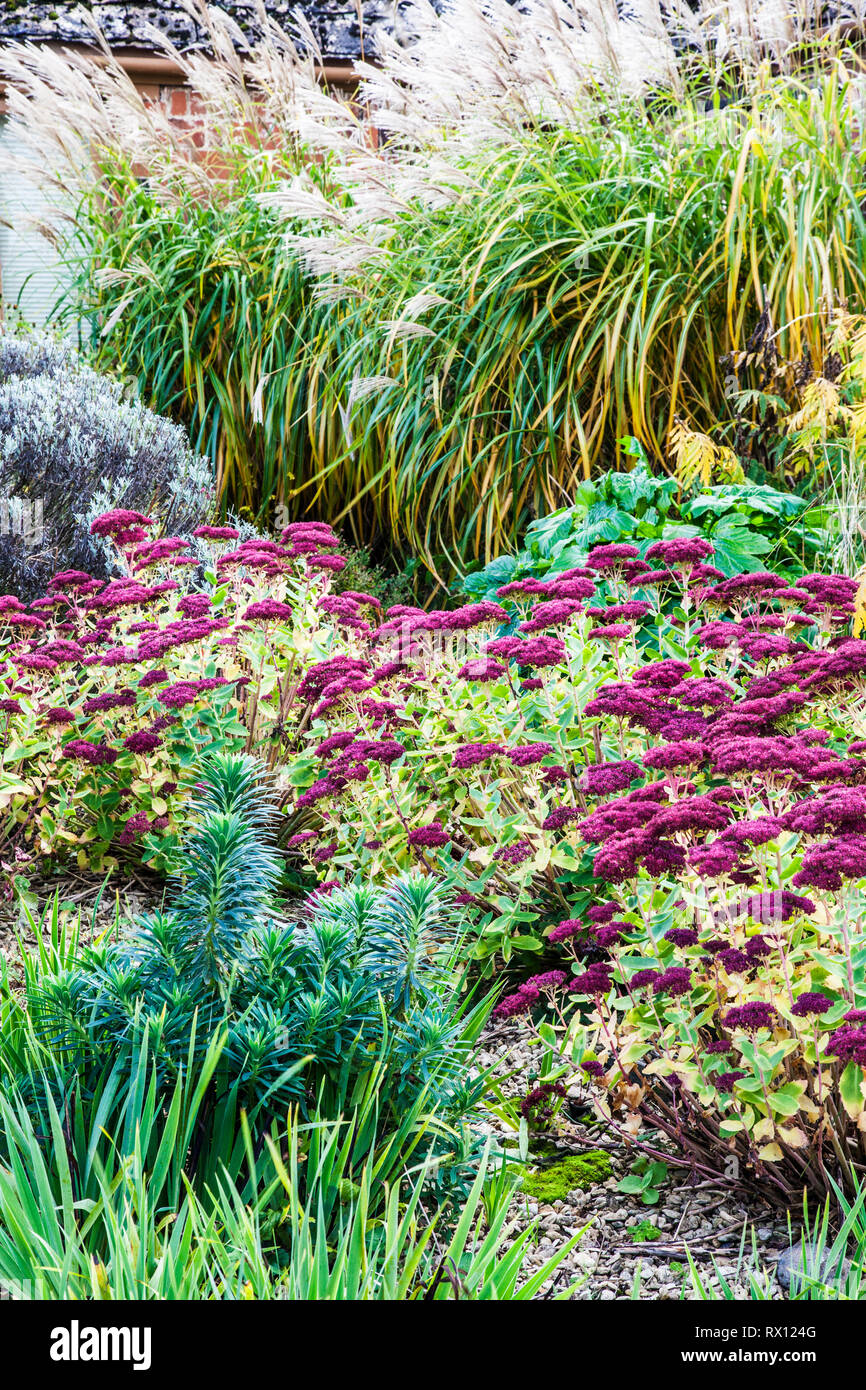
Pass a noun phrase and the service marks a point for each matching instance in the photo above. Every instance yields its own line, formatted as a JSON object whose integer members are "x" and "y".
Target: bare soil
{"x": 98, "y": 902}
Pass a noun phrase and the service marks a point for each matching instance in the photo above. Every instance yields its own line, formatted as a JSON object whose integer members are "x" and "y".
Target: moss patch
{"x": 554, "y": 1181}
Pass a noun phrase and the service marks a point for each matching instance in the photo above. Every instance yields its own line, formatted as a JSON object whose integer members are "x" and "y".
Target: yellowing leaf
{"x": 659, "y": 1066}
{"x": 732, "y": 1126}
{"x": 849, "y": 1090}
{"x": 793, "y": 1136}
{"x": 819, "y": 409}
{"x": 771, "y": 1153}
{"x": 697, "y": 457}
{"x": 480, "y": 855}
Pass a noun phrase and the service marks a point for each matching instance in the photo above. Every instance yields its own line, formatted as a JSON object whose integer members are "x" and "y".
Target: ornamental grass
{"x": 439, "y": 334}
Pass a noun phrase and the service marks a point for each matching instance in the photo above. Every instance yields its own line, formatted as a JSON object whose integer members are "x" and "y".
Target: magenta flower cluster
{"x": 124, "y": 682}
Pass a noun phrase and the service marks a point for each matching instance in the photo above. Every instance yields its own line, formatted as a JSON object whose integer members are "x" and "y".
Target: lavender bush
{"x": 72, "y": 446}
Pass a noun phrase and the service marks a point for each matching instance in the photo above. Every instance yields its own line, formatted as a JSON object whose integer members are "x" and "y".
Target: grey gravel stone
{"x": 805, "y": 1261}
{"x": 603, "y": 1264}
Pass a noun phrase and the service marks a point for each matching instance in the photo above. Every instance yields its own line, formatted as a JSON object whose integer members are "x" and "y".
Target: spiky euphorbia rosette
{"x": 361, "y": 999}
{"x": 702, "y": 777}
{"x": 110, "y": 691}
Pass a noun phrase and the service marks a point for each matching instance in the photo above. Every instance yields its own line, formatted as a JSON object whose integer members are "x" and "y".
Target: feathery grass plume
{"x": 161, "y": 225}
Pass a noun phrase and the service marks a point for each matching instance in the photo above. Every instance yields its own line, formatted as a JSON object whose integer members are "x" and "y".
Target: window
{"x": 31, "y": 273}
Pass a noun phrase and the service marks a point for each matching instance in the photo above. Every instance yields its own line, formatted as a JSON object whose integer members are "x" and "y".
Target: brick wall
{"x": 182, "y": 107}
{"x": 30, "y": 272}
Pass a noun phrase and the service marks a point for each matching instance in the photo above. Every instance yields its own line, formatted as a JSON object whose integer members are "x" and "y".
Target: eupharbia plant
{"x": 360, "y": 996}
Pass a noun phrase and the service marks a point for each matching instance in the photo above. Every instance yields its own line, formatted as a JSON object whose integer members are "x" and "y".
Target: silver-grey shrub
{"x": 74, "y": 443}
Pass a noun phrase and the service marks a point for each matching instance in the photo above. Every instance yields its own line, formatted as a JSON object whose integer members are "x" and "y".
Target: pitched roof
{"x": 334, "y": 22}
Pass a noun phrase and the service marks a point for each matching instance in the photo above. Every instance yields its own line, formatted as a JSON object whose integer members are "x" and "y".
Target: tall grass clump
{"x": 180, "y": 279}
{"x": 112, "y": 1195}
{"x": 570, "y": 215}
{"x": 198, "y": 301}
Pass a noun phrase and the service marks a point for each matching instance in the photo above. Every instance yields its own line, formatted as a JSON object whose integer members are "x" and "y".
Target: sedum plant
{"x": 108, "y": 688}
{"x": 659, "y": 773}
{"x": 472, "y": 750}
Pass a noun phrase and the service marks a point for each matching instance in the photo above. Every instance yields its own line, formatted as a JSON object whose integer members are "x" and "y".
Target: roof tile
{"x": 334, "y": 22}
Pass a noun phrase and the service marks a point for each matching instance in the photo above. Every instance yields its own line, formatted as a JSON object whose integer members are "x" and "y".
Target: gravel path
{"x": 710, "y": 1219}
